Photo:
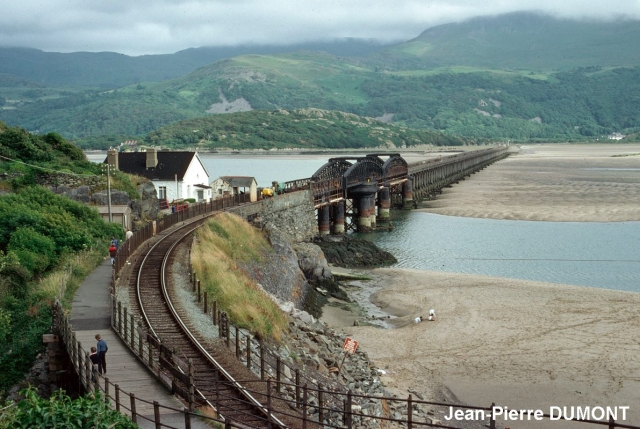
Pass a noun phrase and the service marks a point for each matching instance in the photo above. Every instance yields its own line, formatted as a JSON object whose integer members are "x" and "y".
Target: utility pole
{"x": 109, "y": 192}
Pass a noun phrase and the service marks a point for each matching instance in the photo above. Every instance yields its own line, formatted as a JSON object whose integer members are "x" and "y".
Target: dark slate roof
{"x": 238, "y": 181}
{"x": 169, "y": 164}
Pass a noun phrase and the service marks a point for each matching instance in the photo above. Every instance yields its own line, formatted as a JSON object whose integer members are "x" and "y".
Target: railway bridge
{"x": 347, "y": 190}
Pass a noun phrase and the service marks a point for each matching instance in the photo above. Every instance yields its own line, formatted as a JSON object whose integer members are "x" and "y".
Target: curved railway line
{"x": 217, "y": 373}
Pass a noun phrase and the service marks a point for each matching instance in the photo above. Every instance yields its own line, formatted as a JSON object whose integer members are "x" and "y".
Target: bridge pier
{"x": 324, "y": 220}
{"x": 407, "y": 194}
{"x": 338, "y": 218}
{"x": 384, "y": 204}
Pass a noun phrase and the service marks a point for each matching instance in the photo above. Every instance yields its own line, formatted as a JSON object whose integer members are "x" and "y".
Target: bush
{"x": 59, "y": 411}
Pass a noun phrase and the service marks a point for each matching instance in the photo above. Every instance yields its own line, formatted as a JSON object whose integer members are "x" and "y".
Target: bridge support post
{"x": 365, "y": 208}
{"x": 324, "y": 221}
{"x": 338, "y": 218}
{"x": 407, "y": 194}
{"x": 372, "y": 211}
{"x": 384, "y": 204}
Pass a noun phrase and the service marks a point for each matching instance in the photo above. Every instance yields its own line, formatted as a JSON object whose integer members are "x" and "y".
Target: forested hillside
{"x": 307, "y": 128}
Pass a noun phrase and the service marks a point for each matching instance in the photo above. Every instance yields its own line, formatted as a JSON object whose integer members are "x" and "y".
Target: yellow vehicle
{"x": 267, "y": 193}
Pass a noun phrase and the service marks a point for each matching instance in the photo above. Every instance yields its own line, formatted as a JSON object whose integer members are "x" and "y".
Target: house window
{"x": 162, "y": 192}
{"x": 220, "y": 191}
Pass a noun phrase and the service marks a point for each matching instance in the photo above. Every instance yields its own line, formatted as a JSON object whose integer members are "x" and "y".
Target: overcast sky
{"x": 136, "y": 27}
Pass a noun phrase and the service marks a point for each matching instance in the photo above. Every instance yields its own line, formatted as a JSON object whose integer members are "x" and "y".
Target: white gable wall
{"x": 196, "y": 174}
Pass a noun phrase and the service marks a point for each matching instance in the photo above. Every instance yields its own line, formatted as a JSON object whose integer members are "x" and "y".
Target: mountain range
{"x": 520, "y": 76}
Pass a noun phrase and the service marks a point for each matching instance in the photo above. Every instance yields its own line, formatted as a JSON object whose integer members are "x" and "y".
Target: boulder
{"x": 312, "y": 261}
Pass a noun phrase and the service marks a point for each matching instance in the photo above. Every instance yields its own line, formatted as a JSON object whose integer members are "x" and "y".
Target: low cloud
{"x": 152, "y": 27}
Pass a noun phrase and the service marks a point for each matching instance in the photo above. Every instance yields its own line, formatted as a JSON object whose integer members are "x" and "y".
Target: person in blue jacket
{"x": 102, "y": 348}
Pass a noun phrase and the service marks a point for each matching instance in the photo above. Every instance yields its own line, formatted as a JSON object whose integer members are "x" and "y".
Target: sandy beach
{"x": 521, "y": 344}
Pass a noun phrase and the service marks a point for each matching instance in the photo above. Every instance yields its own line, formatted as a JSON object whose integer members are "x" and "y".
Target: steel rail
{"x": 269, "y": 416}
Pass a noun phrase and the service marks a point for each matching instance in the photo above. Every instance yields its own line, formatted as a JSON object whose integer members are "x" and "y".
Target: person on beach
{"x": 101, "y": 348}
{"x": 95, "y": 360}
{"x": 417, "y": 319}
{"x": 432, "y": 315}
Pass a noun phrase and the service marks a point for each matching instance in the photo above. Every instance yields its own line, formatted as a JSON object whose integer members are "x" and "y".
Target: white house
{"x": 176, "y": 175}
{"x": 234, "y": 185}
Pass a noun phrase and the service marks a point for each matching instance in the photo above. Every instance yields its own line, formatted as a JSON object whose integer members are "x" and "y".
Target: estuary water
{"x": 604, "y": 255}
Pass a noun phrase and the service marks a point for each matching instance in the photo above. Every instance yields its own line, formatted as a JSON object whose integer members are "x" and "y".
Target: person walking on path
{"x": 128, "y": 235}
{"x": 102, "y": 355}
{"x": 113, "y": 251}
{"x": 95, "y": 360}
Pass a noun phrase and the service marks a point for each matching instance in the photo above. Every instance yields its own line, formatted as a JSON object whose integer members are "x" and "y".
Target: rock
{"x": 352, "y": 252}
{"x": 312, "y": 261}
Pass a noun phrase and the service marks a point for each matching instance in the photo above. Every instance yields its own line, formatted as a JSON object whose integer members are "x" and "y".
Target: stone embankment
{"x": 313, "y": 347}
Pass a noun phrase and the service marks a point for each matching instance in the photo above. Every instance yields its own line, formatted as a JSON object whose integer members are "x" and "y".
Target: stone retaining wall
{"x": 292, "y": 214}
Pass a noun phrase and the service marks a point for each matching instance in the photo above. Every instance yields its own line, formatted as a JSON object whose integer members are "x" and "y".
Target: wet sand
{"x": 521, "y": 344}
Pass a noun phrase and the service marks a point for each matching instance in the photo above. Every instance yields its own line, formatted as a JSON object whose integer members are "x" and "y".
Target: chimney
{"x": 152, "y": 158}
{"x": 112, "y": 158}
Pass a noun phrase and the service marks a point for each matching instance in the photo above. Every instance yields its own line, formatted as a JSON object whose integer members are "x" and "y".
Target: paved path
{"x": 90, "y": 315}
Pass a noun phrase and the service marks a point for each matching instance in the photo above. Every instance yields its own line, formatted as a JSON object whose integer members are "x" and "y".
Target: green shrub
{"x": 59, "y": 411}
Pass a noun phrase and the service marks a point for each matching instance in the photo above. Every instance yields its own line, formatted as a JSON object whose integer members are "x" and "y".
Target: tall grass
{"x": 222, "y": 245}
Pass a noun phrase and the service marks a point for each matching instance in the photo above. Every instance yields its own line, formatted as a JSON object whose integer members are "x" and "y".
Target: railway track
{"x": 216, "y": 371}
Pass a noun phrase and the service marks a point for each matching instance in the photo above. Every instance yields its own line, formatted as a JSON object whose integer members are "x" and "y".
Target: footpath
{"x": 91, "y": 315}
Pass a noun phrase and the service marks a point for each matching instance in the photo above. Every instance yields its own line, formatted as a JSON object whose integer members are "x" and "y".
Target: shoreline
{"x": 518, "y": 343}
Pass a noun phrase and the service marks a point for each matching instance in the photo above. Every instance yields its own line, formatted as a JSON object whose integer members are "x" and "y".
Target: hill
{"x": 306, "y": 128}
{"x": 521, "y": 41}
{"x": 110, "y": 70}
{"x": 501, "y": 78}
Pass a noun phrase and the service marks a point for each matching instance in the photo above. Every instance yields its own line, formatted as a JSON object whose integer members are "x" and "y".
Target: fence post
{"x": 217, "y": 395}
{"x": 132, "y": 335}
{"x": 150, "y": 354}
{"x": 126, "y": 326}
{"x": 140, "y": 351}
{"x": 269, "y": 403}
{"x": 156, "y": 414}
{"x": 74, "y": 348}
{"x": 87, "y": 365}
{"x": 278, "y": 374}
{"x": 248, "y": 352}
{"x": 304, "y": 407}
{"x": 320, "y": 404}
{"x": 132, "y": 400}
{"x": 79, "y": 355}
{"x": 106, "y": 390}
{"x": 119, "y": 316}
{"x": 214, "y": 312}
{"x": 191, "y": 383}
{"x": 117, "y": 397}
{"x": 206, "y": 302}
{"x": 409, "y": 412}
{"x": 261, "y": 361}
{"x": 187, "y": 418}
{"x": 348, "y": 409}
{"x": 114, "y": 305}
{"x": 96, "y": 380}
{"x": 237, "y": 343}
{"x": 297, "y": 388}
{"x": 198, "y": 287}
